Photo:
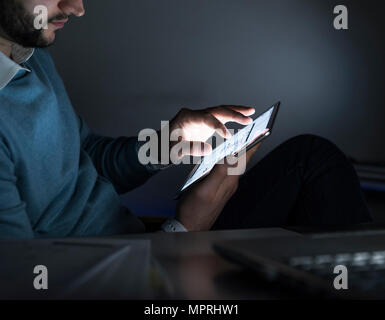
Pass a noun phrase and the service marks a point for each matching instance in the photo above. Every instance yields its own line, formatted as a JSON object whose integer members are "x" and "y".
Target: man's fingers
{"x": 190, "y": 148}
{"x": 221, "y": 178}
{"x": 217, "y": 125}
{"x": 229, "y": 115}
{"x": 246, "y": 111}
{"x": 238, "y": 163}
{"x": 198, "y": 148}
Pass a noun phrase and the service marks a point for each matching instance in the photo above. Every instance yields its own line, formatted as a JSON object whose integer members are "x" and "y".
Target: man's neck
{"x": 6, "y": 47}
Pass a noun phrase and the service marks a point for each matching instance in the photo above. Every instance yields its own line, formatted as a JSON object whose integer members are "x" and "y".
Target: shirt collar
{"x": 10, "y": 67}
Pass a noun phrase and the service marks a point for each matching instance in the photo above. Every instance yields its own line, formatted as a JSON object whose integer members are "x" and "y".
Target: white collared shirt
{"x": 10, "y": 67}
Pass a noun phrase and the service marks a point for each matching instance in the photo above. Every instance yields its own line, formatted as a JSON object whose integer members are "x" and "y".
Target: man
{"x": 58, "y": 179}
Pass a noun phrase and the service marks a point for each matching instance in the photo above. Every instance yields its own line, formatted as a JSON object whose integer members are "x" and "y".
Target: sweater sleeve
{"x": 116, "y": 159}
{"x": 14, "y": 221}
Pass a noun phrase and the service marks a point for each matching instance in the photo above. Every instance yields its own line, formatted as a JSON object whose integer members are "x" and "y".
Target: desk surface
{"x": 194, "y": 271}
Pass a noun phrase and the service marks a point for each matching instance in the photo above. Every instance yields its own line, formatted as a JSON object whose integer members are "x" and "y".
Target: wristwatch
{"x": 172, "y": 225}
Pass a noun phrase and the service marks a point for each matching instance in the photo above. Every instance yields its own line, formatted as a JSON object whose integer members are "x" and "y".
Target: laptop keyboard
{"x": 366, "y": 270}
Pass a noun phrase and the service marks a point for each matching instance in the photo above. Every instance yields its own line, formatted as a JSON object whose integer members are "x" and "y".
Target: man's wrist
{"x": 173, "y": 225}
{"x": 155, "y": 164}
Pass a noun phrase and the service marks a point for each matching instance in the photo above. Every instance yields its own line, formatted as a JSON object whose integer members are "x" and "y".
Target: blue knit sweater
{"x": 57, "y": 179}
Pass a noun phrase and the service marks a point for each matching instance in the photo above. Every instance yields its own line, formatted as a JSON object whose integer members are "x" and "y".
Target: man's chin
{"x": 46, "y": 40}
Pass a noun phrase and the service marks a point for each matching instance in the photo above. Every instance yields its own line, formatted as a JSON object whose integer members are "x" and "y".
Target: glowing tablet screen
{"x": 237, "y": 142}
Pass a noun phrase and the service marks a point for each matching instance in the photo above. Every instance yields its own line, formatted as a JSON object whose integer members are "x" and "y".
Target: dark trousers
{"x": 306, "y": 181}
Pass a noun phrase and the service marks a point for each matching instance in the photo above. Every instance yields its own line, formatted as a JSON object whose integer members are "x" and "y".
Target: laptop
{"x": 308, "y": 263}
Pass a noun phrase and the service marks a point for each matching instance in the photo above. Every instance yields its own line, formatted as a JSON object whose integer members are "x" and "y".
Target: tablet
{"x": 247, "y": 138}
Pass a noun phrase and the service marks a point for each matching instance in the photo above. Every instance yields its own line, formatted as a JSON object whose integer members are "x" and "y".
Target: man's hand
{"x": 199, "y": 207}
{"x": 195, "y": 127}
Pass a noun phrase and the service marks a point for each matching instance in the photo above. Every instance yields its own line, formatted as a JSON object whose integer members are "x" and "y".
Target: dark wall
{"x": 128, "y": 64}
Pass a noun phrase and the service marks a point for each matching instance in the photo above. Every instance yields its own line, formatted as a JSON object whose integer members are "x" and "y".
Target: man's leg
{"x": 306, "y": 181}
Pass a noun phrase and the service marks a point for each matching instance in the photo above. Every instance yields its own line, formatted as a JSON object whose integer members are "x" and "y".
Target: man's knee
{"x": 312, "y": 150}
{"x": 311, "y": 142}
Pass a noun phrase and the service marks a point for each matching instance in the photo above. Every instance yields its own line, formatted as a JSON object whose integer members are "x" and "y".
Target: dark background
{"x": 128, "y": 64}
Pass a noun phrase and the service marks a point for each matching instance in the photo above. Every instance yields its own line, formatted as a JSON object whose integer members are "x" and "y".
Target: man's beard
{"x": 18, "y": 25}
